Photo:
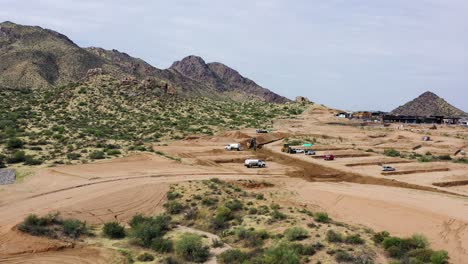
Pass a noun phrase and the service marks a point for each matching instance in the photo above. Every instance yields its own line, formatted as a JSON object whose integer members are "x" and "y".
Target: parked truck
{"x": 233, "y": 146}
{"x": 250, "y": 163}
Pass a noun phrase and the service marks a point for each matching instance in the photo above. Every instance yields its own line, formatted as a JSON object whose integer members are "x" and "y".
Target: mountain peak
{"x": 428, "y": 104}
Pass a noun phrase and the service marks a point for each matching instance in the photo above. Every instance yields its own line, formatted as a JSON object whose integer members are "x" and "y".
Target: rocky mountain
{"x": 224, "y": 79}
{"x": 37, "y": 58}
{"x": 428, "y": 104}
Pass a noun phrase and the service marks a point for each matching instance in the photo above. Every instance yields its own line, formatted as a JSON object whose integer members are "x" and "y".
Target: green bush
{"x": 96, "y": 155}
{"x": 173, "y": 195}
{"x": 113, "y": 152}
{"x": 277, "y": 215}
{"x": 150, "y": 228}
{"x": 334, "y": 237}
{"x": 295, "y": 233}
{"x": 281, "y": 254}
{"x": 14, "y": 143}
{"x": 380, "y": 236}
{"x": 145, "y": 257}
{"x": 73, "y": 156}
{"x": 17, "y": 157}
{"x": 30, "y": 160}
{"x": 138, "y": 219}
{"x": 322, "y": 217}
{"x": 161, "y": 245}
{"x": 113, "y": 230}
{"x": 222, "y": 217}
{"x": 174, "y": 207}
{"x": 439, "y": 257}
{"x": 343, "y": 256}
{"x": 251, "y": 237}
{"x": 190, "y": 247}
{"x": 234, "y": 205}
{"x": 392, "y": 153}
{"x": 232, "y": 256}
{"x": 74, "y": 228}
{"x": 354, "y": 239}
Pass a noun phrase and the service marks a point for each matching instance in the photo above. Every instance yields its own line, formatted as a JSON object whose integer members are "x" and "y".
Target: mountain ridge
{"x": 38, "y": 58}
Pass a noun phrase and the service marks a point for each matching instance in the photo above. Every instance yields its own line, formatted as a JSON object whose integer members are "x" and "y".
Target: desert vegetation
{"x": 93, "y": 120}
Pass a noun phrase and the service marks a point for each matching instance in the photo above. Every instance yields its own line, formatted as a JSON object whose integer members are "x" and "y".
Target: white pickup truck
{"x": 234, "y": 146}
{"x": 249, "y": 163}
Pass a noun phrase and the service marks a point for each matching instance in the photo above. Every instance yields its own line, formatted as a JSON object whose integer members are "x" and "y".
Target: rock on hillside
{"x": 33, "y": 57}
{"x": 428, "y": 104}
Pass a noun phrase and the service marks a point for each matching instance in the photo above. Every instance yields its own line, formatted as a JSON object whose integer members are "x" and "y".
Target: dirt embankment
{"x": 314, "y": 172}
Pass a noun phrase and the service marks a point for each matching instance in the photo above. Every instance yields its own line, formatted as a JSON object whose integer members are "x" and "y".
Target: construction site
{"x": 417, "y": 196}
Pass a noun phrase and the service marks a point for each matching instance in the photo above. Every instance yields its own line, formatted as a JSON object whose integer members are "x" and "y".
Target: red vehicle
{"x": 329, "y": 157}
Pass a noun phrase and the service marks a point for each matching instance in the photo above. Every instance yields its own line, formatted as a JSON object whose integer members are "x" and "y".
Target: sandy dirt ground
{"x": 119, "y": 188}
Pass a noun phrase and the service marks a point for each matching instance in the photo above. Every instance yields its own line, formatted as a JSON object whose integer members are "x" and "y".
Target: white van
{"x": 234, "y": 146}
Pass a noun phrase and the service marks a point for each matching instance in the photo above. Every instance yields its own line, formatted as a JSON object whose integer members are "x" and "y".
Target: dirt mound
{"x": 15, "y": 242}
{"x": 80, "y": 255}
{"x": 253, "y": 184}
{"x": 236, "y": 135}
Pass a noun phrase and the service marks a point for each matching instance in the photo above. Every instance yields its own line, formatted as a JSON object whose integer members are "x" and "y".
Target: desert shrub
{"x": 343, "y": 256}
{"x": 174, "y": 207}
{"x": 253, "y": 210}
{"x": 251, "y": 237}
{"x": 380, "y": 236}
{"x": 305, "y": 250}
{"x": 74, "y": 228}
{"x": 145, "y": 257}
{"x": 173, "y": 195}
{"x": 419, "y": 241}
{"x": 96, "y": 155}
{"x": 30, "y": 160}
{"x": 161, "y": 245}
{"x": 14, "y": 143}
{"x": 150, "y": 228}
{"x": 138, "y": 219}
{"x": 439, "y": 257}
{"x": 234, "y": 205}
{"x": 17, "y": 157}
{"x": 113, "y": 152}
{"x": 334, "y": 237}
{"x": 295, "y": 233}
{"x": 421, "y": 254}
{"x": 444, "y": 157}
{"x": 392, "y": 153}
{"x": 208, "y": 201}
{"x": 232, "y": 256}
{"x": 260, "y": 196}
{"x": 36, "y": 226}
{"x": 354, "y": 239}
{"x": 223, "y": 215}
{"x": 190, "y": 247}
{"x": 281, "y": 254}
{"x": 216, "y": 243}
{"x": 322, "y": 217}
{"x": 113, "y": 230}
{"x": 277, "y": 215}
{"x": 73, "y": 156}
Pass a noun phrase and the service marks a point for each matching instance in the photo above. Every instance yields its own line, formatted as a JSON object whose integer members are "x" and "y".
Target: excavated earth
{"x": 119, "y": 188}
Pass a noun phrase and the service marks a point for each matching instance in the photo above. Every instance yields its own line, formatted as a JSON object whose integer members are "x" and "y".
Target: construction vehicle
{"x": 329, "y": 157}
{"x": 252, "y": 143}
{"x": 250, "y": 163}
{"x": 233, "y": 146}
{"x": 286, "y": 148}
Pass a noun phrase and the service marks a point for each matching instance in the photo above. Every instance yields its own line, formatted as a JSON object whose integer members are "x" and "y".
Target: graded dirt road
{"x": 119, "y": 188}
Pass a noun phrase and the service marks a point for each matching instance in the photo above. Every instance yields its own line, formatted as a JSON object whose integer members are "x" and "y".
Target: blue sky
{"x": 349, "y": 54}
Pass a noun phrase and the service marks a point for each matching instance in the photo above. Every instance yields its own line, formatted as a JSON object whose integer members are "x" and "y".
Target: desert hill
{"x": 36, "y": 58}
{"x": 428, "y": 104}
